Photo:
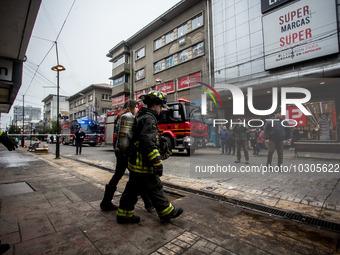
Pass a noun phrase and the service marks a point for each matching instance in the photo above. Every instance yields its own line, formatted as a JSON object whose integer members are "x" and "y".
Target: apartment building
{"x": 50, "y": 106}
{"x": 174, "y": 49}
{"x": 92, "y": 101}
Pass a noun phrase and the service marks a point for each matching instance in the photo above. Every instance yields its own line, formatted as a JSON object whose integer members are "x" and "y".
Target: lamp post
{"x": 58, "y": 68}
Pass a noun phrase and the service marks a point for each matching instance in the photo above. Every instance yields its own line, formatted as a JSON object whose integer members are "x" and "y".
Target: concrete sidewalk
{"x": 56, "y": 211}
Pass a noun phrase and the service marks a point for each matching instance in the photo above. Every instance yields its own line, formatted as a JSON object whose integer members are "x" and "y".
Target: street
{"x": 317, "y": 191}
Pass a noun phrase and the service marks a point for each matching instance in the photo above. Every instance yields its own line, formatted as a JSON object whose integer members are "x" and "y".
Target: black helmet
{"x": 156, "y": 96}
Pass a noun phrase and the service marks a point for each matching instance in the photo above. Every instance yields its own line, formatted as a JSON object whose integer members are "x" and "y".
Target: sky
{"x": 91, "y": 29}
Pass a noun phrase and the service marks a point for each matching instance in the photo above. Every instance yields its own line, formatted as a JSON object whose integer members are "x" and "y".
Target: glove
{"x": 8, "y": 142}
{"x": 166, "y": 155}
{"x": 158, "y": 168}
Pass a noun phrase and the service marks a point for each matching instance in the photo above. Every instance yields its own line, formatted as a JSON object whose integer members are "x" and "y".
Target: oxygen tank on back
{"x": 125, "y": 131}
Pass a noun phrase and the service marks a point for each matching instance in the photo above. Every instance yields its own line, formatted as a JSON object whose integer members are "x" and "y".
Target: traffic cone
{"x": 25, "y": 144}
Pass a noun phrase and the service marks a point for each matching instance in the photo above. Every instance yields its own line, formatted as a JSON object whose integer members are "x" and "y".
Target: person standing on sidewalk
{"x": 145, "y": 164}
{"x": 260, "y": 141}
{"x": 276, "y": 131}
{"x": 241, "y": 138}
{"x": 80, "y": 135}
{"x": 296, "y": 137}
{"x": 231, "y": 140}
{"x": 253, "y": 139}
{"x": 223, "y": 139}
{"x": 130, "y": 109}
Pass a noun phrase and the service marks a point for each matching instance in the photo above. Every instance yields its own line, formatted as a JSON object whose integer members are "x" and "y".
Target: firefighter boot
{"x": 174, "y": 214}
{"x": 106, "y": 204}
{"x": 125, "y": 219}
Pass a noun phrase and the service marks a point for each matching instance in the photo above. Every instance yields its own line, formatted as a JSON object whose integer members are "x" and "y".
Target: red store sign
{"x": 188, "y": 81}
{"x": 295, "y": 113}
{"x": 119, "y": 100}
{"x": 166, "y": 87}
{"x": 141, "y": 92}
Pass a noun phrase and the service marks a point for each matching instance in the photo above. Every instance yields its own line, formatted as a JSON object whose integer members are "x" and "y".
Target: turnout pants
{"x": 152, "y": 186}
{"x": 278, "y": 145}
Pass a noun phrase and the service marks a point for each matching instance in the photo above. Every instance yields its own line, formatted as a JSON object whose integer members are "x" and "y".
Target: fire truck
{"x": 69, "y": 128}
{"x": 182, "y": 126}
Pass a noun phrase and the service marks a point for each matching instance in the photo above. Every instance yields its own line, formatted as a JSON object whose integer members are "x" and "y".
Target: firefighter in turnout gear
{"x": 145, "y": 164}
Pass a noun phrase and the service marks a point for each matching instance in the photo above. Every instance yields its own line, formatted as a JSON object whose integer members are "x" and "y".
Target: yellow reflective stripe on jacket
{"x": 139, "y": 160}
{"x": 1, "y": 132}
{"x": 153, "y": 154}
{"x": 140, "y": 169}
{"x": 167, "y": 210}
{"x": 125, "y": 213}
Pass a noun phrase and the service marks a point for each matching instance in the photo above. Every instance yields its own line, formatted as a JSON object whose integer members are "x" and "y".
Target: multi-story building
{"x": 263, "y": 44}
{"x": 31, "y": 113}
{"x": 50, "y": 106}
{"x": 174, "y": 48}
{"x": 92, "y": 101}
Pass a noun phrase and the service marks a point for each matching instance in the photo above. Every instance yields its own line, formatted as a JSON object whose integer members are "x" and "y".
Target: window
{"x": 158, "y": 43}
{"x": 104, "y": 111}
{"x": 83, "y": 113}
{"x": 82, "y": 100}
{"x": 106, "y": 97}
{"x": 197, "y": 50}
{"x": 90, "y": 97}
{"x": 120, "y": 80}
{"x": 140, "y": 53}
{"x": 140, "y": 74}
{"x": 182, "y": 30}
{"x": 158, "y": 66}
{"x": 75, "y": 115}
{"x": 71, "y": 106}
{"x": 117, "y": 62}
{"x": 75, "y": 103}
{"x": 183, "y": 56}
{"x": 197, "y": 22}
{"x": 169, "y": 37}
{"x": 169, "y": 61}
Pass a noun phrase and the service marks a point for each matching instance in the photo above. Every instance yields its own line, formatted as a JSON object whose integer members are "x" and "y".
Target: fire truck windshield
{"x": 89, "y": 127}
{"x": 193, "y": 113}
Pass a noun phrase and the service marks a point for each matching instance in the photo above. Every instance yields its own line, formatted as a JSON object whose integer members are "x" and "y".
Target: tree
{"x": 13, "y": 129}
{"x": 54, "y": 126}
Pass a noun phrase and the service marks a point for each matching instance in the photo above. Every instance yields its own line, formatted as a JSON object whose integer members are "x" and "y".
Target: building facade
{"x": 262, "y": 45}
{"x": 50, "y": 106}
{"x": 174, "y": 48}
{"x": 91, "y": 102}
{"x": 31, "y": 113}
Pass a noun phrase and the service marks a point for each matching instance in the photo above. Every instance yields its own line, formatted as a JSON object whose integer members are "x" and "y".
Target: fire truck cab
{"x": 183, "y": 126}
{"x": 69, "y": 128}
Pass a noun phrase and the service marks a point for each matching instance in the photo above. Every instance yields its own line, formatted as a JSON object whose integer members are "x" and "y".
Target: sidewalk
{"x": 57, "y": 212}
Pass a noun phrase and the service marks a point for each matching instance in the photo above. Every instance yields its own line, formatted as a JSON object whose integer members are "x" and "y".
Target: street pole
{"x": 23, "y": 122}
{"x": 57, "y": 152}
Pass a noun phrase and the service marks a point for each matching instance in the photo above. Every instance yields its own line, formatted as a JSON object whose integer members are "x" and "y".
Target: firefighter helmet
{"x": 157, "y": 96}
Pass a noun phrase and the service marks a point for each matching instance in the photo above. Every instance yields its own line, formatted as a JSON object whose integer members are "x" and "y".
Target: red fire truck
{"x": 183, "y": 126}
{"x": 69, "y": 128}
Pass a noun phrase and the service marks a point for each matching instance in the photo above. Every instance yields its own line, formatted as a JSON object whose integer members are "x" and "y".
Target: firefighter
{"x": 129, "y": 110}
{"x": 145, "y": 164}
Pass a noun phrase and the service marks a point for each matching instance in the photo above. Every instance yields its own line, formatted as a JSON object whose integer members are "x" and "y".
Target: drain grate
{"x": 266, "y": 209}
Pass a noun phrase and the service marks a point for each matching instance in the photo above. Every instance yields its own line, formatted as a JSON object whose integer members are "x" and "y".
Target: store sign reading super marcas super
{"x": 300, "y": 31}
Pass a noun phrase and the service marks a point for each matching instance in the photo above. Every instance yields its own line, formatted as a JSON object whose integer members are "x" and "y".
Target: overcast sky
{"x": 91, "y": 30}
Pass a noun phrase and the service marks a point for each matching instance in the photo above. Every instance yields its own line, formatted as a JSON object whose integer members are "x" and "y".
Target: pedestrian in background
{"x": 241, "y": 137}
{"x": 253, "y": 139}
{"x": 260, "y": 141}
{"x": 231, "y": 140}
{"x": 223, "y": 139}
{"x": 296, "y": 137}
{"x": 80, "y": 135}
{"x": 275, "y": 132}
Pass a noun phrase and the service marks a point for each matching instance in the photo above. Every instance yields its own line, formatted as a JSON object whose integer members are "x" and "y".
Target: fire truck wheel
{"x": 192, "y": 151}
{"x": 168, "y": 140}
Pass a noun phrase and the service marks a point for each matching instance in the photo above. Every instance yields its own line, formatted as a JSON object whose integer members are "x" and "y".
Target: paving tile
{"x": 36, "y": 227}
{"x": 174, "y": 248}
{"x": 117, "y": 244}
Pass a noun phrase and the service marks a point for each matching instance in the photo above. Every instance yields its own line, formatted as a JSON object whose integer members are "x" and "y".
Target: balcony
{"x": 120, "y": 88}
{"x": 119, "y": 70}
